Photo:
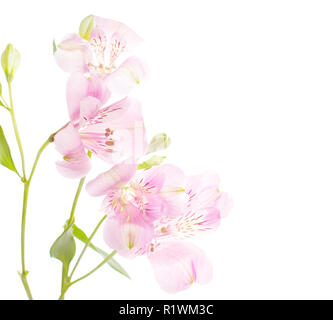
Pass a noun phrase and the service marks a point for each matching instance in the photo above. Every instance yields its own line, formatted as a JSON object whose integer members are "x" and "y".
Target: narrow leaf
{"x": 5, "y": 154}
{"x": 64, "y": 247}
{"x": 79, "y": 234}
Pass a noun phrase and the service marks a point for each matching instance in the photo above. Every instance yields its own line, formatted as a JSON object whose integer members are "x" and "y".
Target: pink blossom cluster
{"x": 151, "y": 211}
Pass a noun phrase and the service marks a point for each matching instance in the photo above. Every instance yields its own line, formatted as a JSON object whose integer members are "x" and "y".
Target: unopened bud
{"x": 160, "y": 142}
{"x": 86, "y": 25}
{"x": 10, "y": 61}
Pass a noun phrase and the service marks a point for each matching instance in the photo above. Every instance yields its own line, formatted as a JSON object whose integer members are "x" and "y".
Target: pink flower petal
{"x": 224, "y": 204}
{"x": 171, "y": 200}
{"x": 72, "y": 54}
{"x": 67, "y": 141}
{"x": 76, "y": 163}
{"x": 114, "y": 28}
{"x": 76, "y": 167}
{"x": 128, "y": 75}
{"x": 88, "y": 109}
{"x": 116, "y": 177}
{"x": 128, "y": 232}
{"x": 80, "y": 87}
{"x": 177, "y": 265}
{"x": 116, "y": 132}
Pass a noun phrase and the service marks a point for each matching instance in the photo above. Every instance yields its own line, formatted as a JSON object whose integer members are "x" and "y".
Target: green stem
{"x": 77, "y": 195}
{"x": 107, "y": 258}
{"x": 39, "y": 153}
{"x": 17, "y": 135}
{"x": 64, "y": 282}
{"x": 24, "y": 272}
{"x": 86, "y": 246}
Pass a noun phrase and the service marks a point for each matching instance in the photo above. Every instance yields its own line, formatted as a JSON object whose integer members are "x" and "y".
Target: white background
{"x": 244, "y": 88}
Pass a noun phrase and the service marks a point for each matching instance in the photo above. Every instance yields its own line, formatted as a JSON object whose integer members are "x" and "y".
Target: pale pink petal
{"x": 117, "y": 132}
{"x": 203, "y": 190}
{"x": 128, "y": 37}
{"x": 88, "y": 109}
{"x": 68, "y": 141}
{"x": 80, "y": 87}
{"x": 72, "y": 54}
{"x": 171, "y": 200}
{"x": 97, "y": 88}
{"x": 76, "y": 163}
{"x": 201, "y": 181}
{"x": 177, "y": 265}
{"x": 76, "y": 167}
{"x": 224, "y": 204}
{"x": 128, "y": 232}
{"x": 127, "y": 76}
{"x": 116, "y": 177}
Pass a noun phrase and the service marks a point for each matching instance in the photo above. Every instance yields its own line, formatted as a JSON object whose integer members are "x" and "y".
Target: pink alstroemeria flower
{"x": 151, "y": 212}
{"x": 98, "y": 52}
{"x": 113, "y": 133}
{"x": 149, "y": 194}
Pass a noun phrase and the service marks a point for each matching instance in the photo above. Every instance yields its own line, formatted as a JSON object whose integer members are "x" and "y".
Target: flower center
{"x": 104, "y": 53}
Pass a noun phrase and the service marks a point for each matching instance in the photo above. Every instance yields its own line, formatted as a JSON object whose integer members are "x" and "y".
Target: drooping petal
{"x": 128, "y": 232}
{"x": 177, "y": 265}
{"x": 116, "y": 132}
{"x": 76, "y": 163}
{"x": 80, "y": 87}
{"x": 116, "y": 177}
{"x": 127, "y": 76}
{"x": 113, "y": 28}
{"x": 72, "y": 54}
{"x": 76, "y": 167}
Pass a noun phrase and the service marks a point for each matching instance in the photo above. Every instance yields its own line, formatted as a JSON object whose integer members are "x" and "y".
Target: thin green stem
{"x": 107, "y": 258}
{"x": 64, "y": 281}
{"x": 77, "y": 195}
{"x": 4, "y": 103}
{"x": 17, "y": 135}
{"x": 24, "y": 272}
{"x": 39, "y": 153}
{"x": 86, "y": 246}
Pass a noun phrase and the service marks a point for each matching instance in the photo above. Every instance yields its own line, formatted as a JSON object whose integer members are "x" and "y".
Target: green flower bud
{"x": 159, "y": 142}
{"x": 86, "y": 25}
{"x": 10, "y": 61}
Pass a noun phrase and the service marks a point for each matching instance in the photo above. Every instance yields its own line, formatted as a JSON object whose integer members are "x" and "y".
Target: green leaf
{"x": 79, "y": 234}
{"x": 64, "y": 247}
{"x": 153, "y": 161}
{"x": 5, "y": 155}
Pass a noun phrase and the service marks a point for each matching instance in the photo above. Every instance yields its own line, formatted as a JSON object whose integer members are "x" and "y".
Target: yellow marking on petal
{"x": 130, "y": 245}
